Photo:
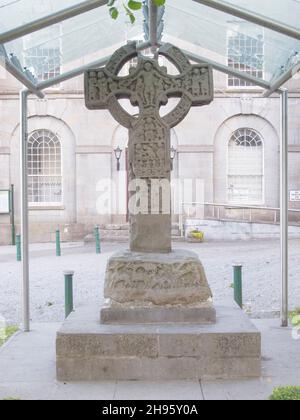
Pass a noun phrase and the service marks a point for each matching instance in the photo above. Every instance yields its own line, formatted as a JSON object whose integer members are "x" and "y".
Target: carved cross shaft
{"x": 149, "y": 86}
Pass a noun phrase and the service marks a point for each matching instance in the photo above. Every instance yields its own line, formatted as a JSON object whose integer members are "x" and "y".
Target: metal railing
{"x": 230, "y": 212}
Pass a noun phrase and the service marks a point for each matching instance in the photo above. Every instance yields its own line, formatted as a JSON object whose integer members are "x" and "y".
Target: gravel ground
{"x": 261, "y": 261}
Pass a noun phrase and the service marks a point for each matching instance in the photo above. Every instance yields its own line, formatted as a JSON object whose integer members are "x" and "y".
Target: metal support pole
{"x": 153, "y": 25}
{"x": 98, "y": 240}
{"x": 68, "y": 292}
{"x": 24, "y": 209}
{"x": 57, "y": 243}
{"x": 281, "y": 80}
{"x": 284, "y": 227}
{"x": 238, "y": 284}
{"x": 12, "y": 215}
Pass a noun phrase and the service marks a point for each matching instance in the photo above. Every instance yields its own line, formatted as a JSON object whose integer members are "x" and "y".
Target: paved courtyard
{"x": 27, "y": 361}
{"x": 27, "y": 371}
{"x": 261, "y": 261}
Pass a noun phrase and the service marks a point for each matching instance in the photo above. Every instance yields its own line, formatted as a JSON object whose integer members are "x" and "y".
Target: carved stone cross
{"x": 149, "y": 86}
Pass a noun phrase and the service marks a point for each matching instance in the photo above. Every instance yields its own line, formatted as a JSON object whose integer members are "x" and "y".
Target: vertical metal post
{"x": 57, "y": 243}
{"x": 238, "y": 284}
{"x": 69, "y": 306}
{"x": 12, "y": 215}
{"x": 24, "y": 208}
{"x": 284, "y": 227}
{"x": 153, "y": 24}
{"x": 98, "y": 240}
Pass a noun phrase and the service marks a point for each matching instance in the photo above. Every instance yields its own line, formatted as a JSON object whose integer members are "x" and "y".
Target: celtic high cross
{"x": 149, "y": 86}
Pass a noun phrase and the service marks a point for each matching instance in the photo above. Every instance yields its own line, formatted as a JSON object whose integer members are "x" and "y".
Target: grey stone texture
{"x": 201, "y": 314}
{"x": 88, "y": 350}
{"x": 145, "y": 229}
{"x": 143, "y": 279}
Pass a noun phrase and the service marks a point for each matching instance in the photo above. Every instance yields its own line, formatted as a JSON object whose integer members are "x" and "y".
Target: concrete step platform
{"x": 90, "y": 351}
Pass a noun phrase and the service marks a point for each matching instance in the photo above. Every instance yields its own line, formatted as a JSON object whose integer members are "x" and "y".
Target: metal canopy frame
{"x": 51, "y": 19}
{"x": 256, "y": 18}
{"x": 153, "y": 33}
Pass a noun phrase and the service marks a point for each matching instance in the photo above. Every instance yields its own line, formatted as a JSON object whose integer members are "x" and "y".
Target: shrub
{"x": 288, "y": 393}
{"x": 8, "y": 332}
{"x": 295, "y": 317}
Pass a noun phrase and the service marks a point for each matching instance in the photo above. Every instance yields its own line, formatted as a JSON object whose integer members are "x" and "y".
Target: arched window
{"x": 44, "y": 168}
{"x": 246, "y": 167}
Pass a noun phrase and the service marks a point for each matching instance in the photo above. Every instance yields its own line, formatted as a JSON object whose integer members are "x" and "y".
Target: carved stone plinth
{"x": 122, "y": 315}
{"x": 90, "y": 351}
{"x": 151, "y": 288}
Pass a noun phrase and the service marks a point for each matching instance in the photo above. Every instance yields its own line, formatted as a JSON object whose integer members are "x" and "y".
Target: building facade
{"x": 232, "y": 146}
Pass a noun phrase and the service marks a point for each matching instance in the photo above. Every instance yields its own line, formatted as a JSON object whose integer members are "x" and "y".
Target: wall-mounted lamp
{"x": 118, "y": 153}
{"x": 173, "y": 153}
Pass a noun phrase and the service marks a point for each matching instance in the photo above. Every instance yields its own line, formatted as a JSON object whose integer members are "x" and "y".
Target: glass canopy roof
{"x": 216, "y": 36}
{"x": 210, "y": 29}
{"x": 285, "y": 11}
{"x": 14, "y": 13}
{"x": 78, "y": 38}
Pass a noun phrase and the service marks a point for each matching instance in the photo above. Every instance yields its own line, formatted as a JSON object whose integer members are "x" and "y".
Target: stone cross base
{"x": 119, "y": 315}
{"x": 90, "y": 351}
{"x": 156, "y": 288}
{"x": 144, "y": 279}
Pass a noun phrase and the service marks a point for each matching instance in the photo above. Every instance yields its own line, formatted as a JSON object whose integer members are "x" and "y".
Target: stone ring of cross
{"x": 148, "y": 85}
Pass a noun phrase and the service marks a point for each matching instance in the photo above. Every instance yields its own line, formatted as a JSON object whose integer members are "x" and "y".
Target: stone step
{"x": 121, "y": 236}
{"x": 124, "y": 227}
{"x": 120, "y": 233}
{"x": 89, "y": 351}
{"x": 108, "y": 236}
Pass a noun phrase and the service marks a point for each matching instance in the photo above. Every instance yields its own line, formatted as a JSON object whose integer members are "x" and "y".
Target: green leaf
{"x": 134, "y": 5}
{"x": 114, "y": 12}
{"x": 131, "y": 5}
{"x": 132, "y": 18}
{"x": 129, "y": 13}
{"x": 160, "y": 3}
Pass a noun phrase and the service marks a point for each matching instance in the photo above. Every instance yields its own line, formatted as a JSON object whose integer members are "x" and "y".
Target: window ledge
{"x": 45, "y": 208}
{"x": 248, "y": 89}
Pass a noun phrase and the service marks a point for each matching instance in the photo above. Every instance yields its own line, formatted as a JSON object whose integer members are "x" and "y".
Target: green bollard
{"x": 238, "y": 284}
{"x": 98, "y": 241}
{"x": 57, "y": 240}
{"x": 68, "y": 292}
{"x": 18, "y": 246}
{"x": 12, "y": 215}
